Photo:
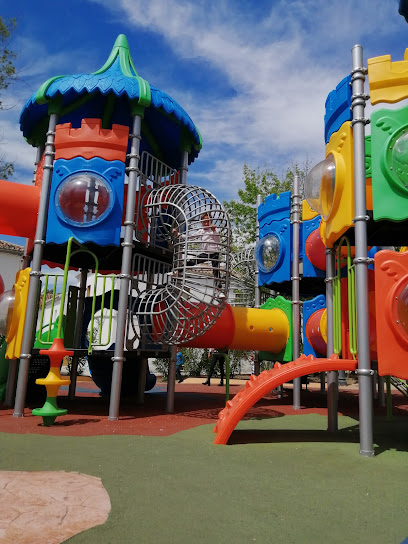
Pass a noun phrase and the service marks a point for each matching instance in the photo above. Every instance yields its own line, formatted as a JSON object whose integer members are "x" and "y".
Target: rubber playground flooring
{"x": 282, "y": 478}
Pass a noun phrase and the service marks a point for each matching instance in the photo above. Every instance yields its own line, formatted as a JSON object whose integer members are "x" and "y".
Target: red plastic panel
{"x": 391, "y": 279}
{"x": 258, "y": 386}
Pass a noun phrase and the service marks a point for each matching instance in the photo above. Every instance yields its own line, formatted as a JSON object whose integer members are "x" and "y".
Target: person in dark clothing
{"x": 217, "y": 356}
{"x": 179, "y": 366}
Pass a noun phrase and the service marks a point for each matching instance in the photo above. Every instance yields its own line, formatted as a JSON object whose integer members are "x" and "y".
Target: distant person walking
{"x": 179, "y": 366}
{"x": 217, "y": 356}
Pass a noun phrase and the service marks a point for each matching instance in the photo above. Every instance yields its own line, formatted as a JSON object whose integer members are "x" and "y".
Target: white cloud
{"x": 278, "y": 66}
{"x": 280, "y": 81}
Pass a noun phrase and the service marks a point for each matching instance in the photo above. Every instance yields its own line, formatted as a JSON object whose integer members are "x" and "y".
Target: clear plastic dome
{"x": 84, "y": 198}
{"x": 267, "y": 253}
{"x": 402, "y": 308}
{"x": 6, "y": 311}
{"x": 320, "y": 185}
{"x": 399, "y": 159}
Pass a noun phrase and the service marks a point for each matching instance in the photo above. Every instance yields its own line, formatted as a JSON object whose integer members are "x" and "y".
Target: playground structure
{"x": 356, "y": 199}
{"x": 110, "y": 196}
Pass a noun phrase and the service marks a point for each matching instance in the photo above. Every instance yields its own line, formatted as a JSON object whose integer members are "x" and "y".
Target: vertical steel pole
{"x": 125, "y": 275}
{"x": 365, "y": 373}
{"x": 332, "y": 377}
{"x": 35, "y": 274}
{"x": 296, "y": 204}
{"x": 12, "y": 372}
{"x": 381, "y": 393}
{"x": 39, "y": 153}
{"x": 257, "y": 362}
{"x": 78, "y": 331}
{"x": 141, "y": 384}
{"x": 184, "y": 168}
{"x": 171, "y": 380}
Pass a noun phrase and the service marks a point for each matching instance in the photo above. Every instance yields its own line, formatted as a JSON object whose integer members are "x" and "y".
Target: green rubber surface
{"x": 294, "y": 483}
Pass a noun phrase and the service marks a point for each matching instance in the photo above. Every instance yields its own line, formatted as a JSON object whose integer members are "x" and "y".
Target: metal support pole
{"x": 381, "y": 392}
{"x": 171, "y": 380}
{"x": 126, "y": 268}
{"x": 360, "y": 220}
{"x": 184, "y": 168}
{"x": 35, "y": 274}
{"x": 141, "y": 384}
{"x": 257, "y": 362}
{"x": 296, "y": 206}
{"x": 11, "y": 382}
{"x": 78, "y": 331}
{"x": 26, "y": 258}
{"x": 332, "y": 377}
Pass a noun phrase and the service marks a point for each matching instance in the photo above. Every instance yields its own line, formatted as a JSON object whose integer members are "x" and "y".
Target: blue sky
{"x": 253, "y": 75}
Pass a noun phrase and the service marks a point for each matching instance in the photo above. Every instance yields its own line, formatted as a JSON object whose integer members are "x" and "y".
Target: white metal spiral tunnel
{"x": 192, "y": 222}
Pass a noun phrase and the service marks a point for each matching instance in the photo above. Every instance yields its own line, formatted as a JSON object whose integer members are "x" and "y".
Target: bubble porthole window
{"x": 320, "y": 186}
{"x": 399, "y": 159}
{"x": 402, "y": 308}
{"x": 6, "y": 311}
{"x": 84, "y": 199}
{"x": 267, "y": 253}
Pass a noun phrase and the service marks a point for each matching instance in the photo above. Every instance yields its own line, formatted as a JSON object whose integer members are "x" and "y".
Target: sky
{"x": 252, "y": 75}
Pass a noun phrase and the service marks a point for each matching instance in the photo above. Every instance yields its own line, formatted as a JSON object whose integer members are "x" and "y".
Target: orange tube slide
{"x": 246, "y": 328}
{"x": 19, "y": 209}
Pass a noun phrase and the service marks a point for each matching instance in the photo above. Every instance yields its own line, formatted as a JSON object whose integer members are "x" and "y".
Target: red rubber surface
{"x": 258, "y": 386}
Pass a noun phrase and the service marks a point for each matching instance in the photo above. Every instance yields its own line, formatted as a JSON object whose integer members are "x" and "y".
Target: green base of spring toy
{"x": 49, "y": 411}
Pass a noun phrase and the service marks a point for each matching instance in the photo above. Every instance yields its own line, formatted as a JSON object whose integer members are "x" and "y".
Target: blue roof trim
{"x": 162, "y": 100}
{"x": 338, "y": 104}
{"x": 173, "y": 132}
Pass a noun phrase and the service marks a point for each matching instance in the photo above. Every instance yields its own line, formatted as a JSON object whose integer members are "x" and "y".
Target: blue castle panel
{"x": 338, "y": 104}
{"x": 104, "y": 229}
{"x": 275, "y": 208}
{"x": 281, "y": 271}
{"x": 309, "y": 308}
{"x": 309, "y": 270}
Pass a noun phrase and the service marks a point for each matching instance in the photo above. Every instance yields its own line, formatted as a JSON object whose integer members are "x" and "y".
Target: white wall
{"x": 10, "y": 263}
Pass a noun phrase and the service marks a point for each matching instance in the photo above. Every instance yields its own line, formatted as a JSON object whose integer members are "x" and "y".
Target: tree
{"x": 264, "y": 182}
{"x": 7, "y": 75}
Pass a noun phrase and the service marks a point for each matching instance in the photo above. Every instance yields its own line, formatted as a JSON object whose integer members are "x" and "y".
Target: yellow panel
{"x": 342, "y": 213}
{"x": 307, "y": 212}
{"x": 323, "y": 325}
{"x": 388, "y": 80}
{"x": 264, "y": 330}
{"x": 15, "y": 335}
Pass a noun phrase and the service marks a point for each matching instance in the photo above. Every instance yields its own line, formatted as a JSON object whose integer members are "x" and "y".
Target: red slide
{"x": 258, "y": 386}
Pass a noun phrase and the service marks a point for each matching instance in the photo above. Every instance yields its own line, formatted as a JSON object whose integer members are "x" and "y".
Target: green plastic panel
{"x": 286, "y": 354}
{"x": 389, "y": 149}
{"x": 368, "y": 163}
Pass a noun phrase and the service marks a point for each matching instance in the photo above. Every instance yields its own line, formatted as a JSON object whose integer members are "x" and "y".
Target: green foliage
{"x": 7, "y": 56}
{"x": 82, "y": 362}
{"x": 7, "y": 75}
{"x": 236, "y": 357}
{"x": 262, "y": 182}
{"x": 196, "y": 362}
{"x": 162, "y": 367}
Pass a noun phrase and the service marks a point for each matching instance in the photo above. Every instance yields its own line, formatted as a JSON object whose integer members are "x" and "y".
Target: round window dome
{"x": 320, "y": 186}
{"x": 84, "y": 199}
{"x": 6, "y": 311}
{"x": 267, "y": 252}
{"x": 399, "y": 159}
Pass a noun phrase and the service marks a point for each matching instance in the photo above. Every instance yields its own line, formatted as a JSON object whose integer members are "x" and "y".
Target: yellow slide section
{"x": 246, "y": 328}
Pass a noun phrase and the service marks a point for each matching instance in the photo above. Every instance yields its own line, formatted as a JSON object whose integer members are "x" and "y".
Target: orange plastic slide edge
{"x": 258, "y": 386}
